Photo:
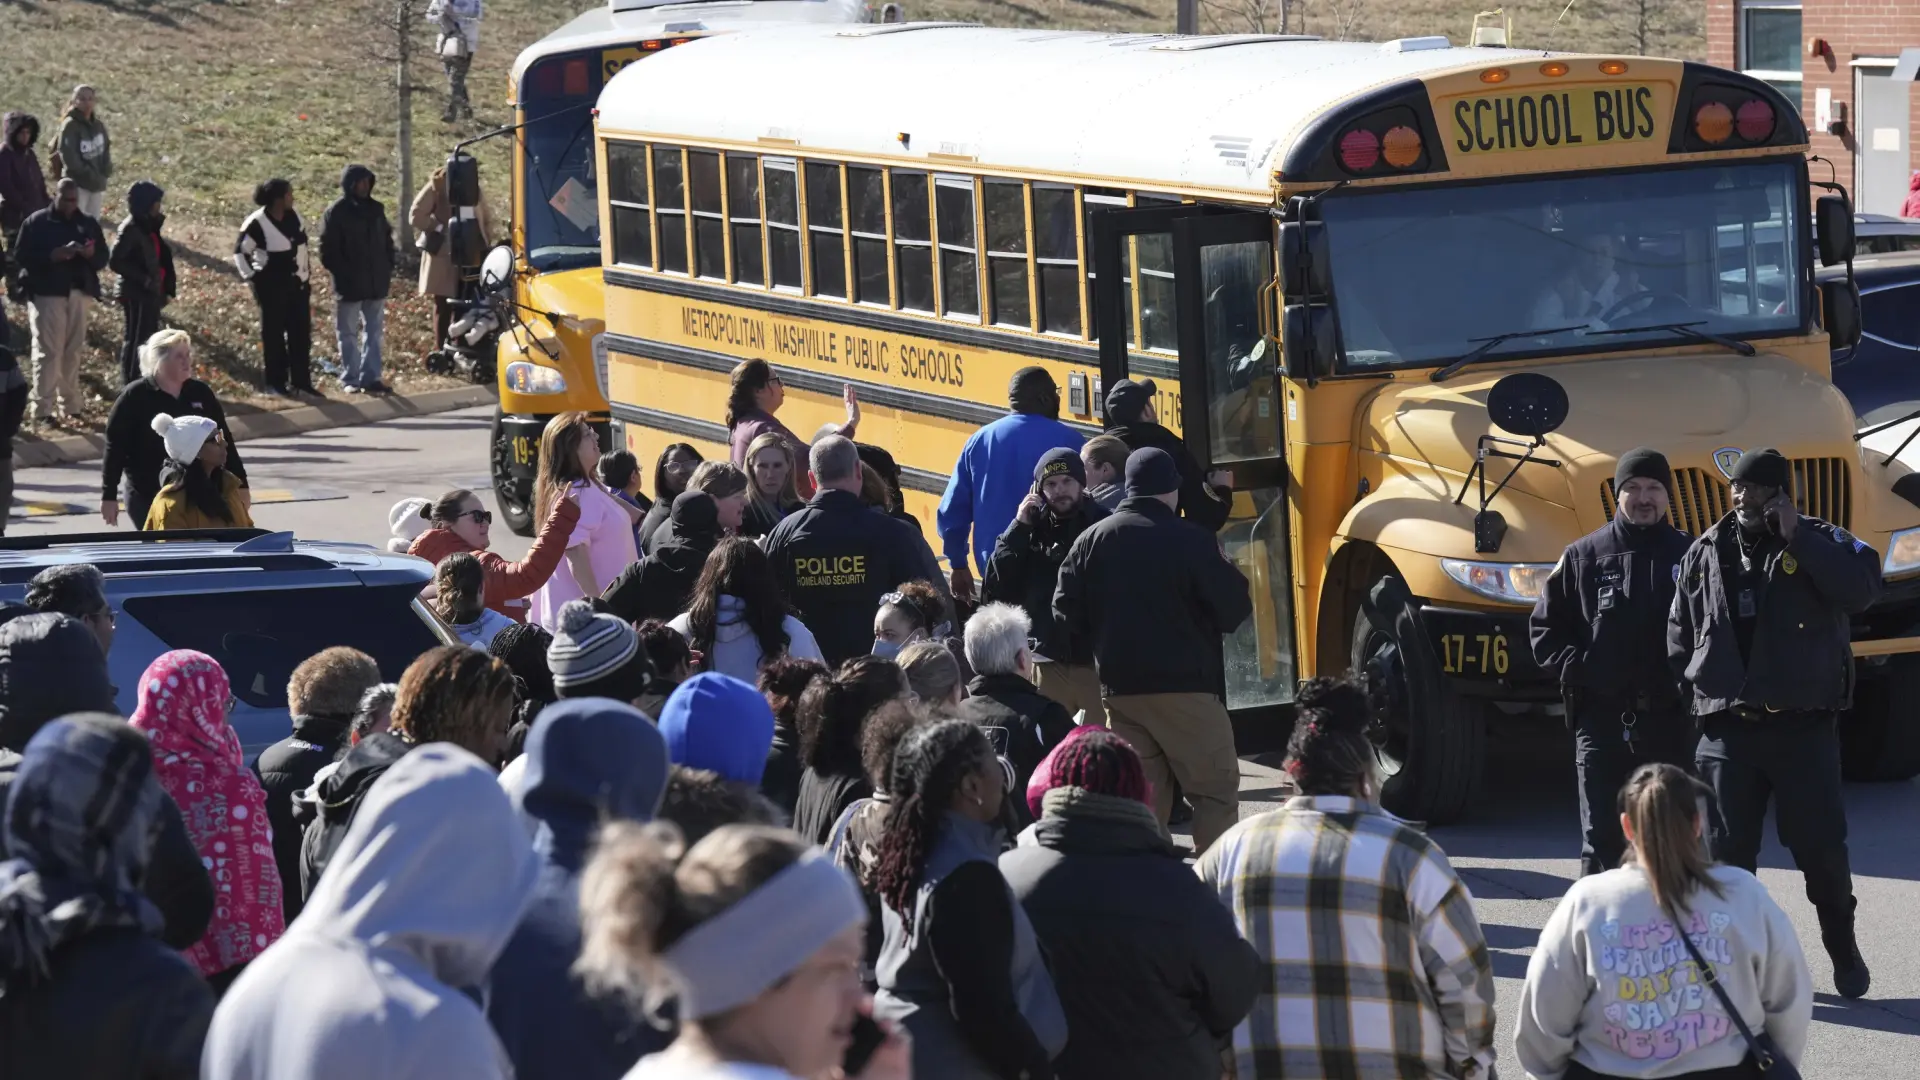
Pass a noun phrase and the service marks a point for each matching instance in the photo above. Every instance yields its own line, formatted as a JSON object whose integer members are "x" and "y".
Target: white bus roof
{"x": 1141, "y": 110}
{"x": 628, "y": 21}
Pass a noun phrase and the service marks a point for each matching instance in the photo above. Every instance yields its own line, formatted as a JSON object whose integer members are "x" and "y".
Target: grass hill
{"x": 209, "y": 97}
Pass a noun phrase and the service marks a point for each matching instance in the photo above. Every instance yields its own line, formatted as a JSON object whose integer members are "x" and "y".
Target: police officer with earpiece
{"x": 1600, "y": 624}
{"x": 1760, "y": 634}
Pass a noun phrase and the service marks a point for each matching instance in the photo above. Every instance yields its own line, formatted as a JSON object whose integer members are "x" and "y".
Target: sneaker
{"x": 353, "y": 390}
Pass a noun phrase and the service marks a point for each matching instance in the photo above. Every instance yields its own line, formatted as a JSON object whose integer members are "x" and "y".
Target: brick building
{"x": 1851, "y": 66}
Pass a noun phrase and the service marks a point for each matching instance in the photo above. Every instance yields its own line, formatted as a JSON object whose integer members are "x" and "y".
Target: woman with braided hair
{"x": 960, "y": 967}
{"x": 1115, "y": 905}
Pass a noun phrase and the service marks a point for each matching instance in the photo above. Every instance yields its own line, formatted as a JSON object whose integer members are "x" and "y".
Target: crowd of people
{"x": 750, "y": 789}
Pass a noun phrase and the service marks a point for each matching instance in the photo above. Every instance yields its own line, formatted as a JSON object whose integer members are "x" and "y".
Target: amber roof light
{"x": 1494, "y": 75}
{"x": 1553, "y": 69}
{"x": 1613, "y": 67}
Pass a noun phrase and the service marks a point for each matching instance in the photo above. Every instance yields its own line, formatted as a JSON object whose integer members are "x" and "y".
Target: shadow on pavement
{"x": 1898, "y": 1015}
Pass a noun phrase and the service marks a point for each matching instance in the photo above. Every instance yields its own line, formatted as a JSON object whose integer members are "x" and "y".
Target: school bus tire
{"x": 1430, "y": 740}
{"x": 1880, "y": 736}
{"x": 509, "y": 493}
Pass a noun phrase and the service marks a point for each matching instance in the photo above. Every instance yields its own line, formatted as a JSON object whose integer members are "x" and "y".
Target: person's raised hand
{"x": 853, "y": 409}
{"x": 1031, "y": 508}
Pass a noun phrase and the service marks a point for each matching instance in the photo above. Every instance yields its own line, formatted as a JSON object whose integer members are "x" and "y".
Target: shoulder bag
{"x": 1770, "y": 1063}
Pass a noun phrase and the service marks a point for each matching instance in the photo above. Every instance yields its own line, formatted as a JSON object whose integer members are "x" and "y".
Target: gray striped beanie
{"x": 587, "y": 646}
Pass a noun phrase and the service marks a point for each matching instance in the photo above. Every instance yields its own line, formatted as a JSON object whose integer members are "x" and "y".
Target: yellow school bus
{"x": 556, "y": 362}
{"x": 1327, "y": 255}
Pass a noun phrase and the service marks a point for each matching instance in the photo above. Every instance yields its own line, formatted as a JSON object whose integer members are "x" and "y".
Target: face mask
{"x": 887, "y": 650}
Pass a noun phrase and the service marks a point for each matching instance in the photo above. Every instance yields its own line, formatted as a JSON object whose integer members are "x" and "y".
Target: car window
{"x": 1893, "y": 315}
{"x": 1886, "y": 243}
{"x": 261, "y": 635}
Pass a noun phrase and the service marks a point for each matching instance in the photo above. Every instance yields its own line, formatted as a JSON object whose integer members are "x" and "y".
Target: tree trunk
{"x": 403, "y": 76}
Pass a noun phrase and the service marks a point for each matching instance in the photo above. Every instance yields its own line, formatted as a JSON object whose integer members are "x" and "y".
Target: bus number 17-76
{"x": 1489, "y": 659}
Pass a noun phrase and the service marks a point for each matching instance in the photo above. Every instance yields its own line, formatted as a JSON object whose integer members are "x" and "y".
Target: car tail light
{"x": 1713, "y": 123}
{"x": 1359, "y": 150}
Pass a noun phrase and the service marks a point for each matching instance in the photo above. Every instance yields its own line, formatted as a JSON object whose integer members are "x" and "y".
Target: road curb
{"x": 29, "y": 452}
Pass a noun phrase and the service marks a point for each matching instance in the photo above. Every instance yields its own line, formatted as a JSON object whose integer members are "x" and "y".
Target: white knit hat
{"x": 184, "y": 435}
{"x": 407, "y": 520}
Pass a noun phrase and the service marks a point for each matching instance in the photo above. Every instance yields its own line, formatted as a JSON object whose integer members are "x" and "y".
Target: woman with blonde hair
{"x": 86, "y": 154}
{"x": 1670, "y": 966}
{"x": 771, "y": 490}
{"x": 601, "y": 545}
{"x": 134, "y": 451}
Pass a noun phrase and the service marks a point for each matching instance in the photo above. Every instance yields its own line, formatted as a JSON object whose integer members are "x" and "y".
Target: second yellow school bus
{"x": 1327, "y": 255}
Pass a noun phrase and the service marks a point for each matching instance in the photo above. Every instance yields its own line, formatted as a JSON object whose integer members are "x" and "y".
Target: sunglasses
{"x": 480, "y": 517}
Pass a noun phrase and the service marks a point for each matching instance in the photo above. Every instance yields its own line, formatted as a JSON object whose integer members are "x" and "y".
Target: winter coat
{"x": 1198, "y": 501}
{"x": 1154, "y": 595}
{"x": 119, "y": 1004}
{"x": 1114, "y": 906}
{"x": 480, "y": 632}
{"x": 23, "y": 186}
{"x": 1024, "y": 568}
{"x": 356, "y": 242}
{"x": 1022, "y": 723}
{"x": 327, "y": 812}
{"x": 431, "y": 212}
{"x": 1600, "y": 623}
{"x": 286, "y": 769}
{"x": 171, "y": 509}
{"x": 993, "y": 476}
{"x": 13, "y": 400}
{"x": 144, "y": 261}
{"x": 272, "y": 255}
{"x": 659, "y": 586}
{"x": 735, "y": 650}
{"x": 835, "y": 558}
{"x": 587, "y": 761}
{"x": 43, "y": 233}
{"x": 136, "y": 451}
{"x": 85, "y": 151}
{"x": 509, "y": 584}
{"x": 1911, "y": 208}
{"x": 822, "y": 798}
{"x": 374, "y": 978}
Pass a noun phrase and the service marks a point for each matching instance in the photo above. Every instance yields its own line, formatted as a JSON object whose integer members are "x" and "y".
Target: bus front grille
{"x": 1822, "y": 488}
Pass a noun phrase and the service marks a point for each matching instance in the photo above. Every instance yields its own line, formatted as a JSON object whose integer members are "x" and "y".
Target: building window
{"x": 1767, "y": 40}
{"x": 627, "y": 194}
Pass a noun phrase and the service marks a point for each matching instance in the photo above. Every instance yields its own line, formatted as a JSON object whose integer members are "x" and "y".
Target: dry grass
{"x": 208, "y": 97}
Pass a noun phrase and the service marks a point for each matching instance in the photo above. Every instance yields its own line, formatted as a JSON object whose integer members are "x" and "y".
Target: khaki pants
{"x": 1076, "y": 686}
{"x": 1187, "y": 737}
{"x": 59, "y": 334}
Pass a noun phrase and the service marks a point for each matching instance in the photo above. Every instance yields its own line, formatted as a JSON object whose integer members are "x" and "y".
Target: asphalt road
{"x": 1515, "y": 850}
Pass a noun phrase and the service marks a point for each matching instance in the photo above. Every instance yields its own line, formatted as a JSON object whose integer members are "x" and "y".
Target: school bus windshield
{"x": 562, "y": 210}
{"x": 1419, "y": 275}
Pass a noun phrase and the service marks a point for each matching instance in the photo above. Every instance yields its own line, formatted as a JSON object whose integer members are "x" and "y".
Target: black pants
{"x": 6, "y": 476}
{"x": 286, "y": 333}
{"x": 142, "y": 322}
{"x": 1794, "y": 758}
{"x": 1604, "y": 759}
{"x": 138, "y": 503}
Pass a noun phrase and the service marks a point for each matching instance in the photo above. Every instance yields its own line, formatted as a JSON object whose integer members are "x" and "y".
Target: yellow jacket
{"x": 171, "y": 510}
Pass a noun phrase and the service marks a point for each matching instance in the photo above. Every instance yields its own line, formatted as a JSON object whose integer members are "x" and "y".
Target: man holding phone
{"x": 63, "y": 252}
{"x": 1759, "y": 635}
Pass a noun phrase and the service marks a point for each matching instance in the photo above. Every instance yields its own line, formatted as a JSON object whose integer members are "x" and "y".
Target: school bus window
{"x": 709, "y": 225}
{"x": 743, "y": 216}
{"x": 826, "y": 242}
{"x": 670, "y": 202}
{"x": 1096, "y": 200}
{"x": 783, "y": 223}
{"x": 1005, "y": 203}
{"x": 867, "y": 209}
{"x": 959, "y": 257}
{"x": 913, "y": 240}
{"x": 1056, "y": 251}
{"x": 627, "y": 195}
{"x": 1153, "y": 254}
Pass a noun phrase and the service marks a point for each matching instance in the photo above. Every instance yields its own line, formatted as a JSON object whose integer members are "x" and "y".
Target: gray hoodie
{"x": 735, "y": 651}
{"x": 374, "y": 978}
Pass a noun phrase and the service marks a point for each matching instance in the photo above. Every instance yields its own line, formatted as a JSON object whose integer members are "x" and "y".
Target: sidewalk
{"x": 30, "y": 451}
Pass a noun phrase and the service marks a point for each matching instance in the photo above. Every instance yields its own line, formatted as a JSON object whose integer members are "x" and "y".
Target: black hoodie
{"x": 23, "y": 187}
{"x": 327, "y": 820}
{"x": 661, "y": 585}
{"x": 356, "y": 242}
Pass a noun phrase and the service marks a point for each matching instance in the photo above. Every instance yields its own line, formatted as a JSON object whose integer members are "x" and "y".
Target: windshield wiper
{"x": 1689, "y": 330}
{"x": 1488, "y": 344}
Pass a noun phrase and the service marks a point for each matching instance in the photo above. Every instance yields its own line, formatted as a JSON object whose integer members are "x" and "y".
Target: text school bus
{"x": 1633, "y": 233}
{"x": 556, "y": 362}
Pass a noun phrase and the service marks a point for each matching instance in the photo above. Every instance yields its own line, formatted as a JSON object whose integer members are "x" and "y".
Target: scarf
{"x": 1076, "y": 802}
{"x": 80, "y": 817}
{"x": 184, "y": 699}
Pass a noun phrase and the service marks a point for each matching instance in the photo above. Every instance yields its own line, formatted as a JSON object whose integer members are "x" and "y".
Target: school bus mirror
{"x": 1840, "y": 312}
{"x": 1308, "y": 340}
{"x": 1303, "y": 261}
{"x": 1833, "y": 228}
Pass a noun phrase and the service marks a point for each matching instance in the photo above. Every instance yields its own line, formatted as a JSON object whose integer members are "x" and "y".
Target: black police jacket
{"x": 1601, "y": 621}
{"x": 1801, "y": 658}
{"x": 1154, "y": 595}
{"x": 1025, "y": 567}
{"x": 1198, "y": 502}
{"x": 836, "y": 557}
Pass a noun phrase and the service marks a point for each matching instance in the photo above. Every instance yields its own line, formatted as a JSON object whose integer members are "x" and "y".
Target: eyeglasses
{"x": 231, "y": 703}
{"x": 480, "y": 517}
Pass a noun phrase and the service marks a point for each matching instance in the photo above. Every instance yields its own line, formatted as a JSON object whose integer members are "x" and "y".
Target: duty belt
{"x": 1756, "y": 713}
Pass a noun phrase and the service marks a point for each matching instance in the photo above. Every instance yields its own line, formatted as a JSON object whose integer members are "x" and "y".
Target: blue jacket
{"x": 994, "y": 473}
{"x": 588, "y": 760}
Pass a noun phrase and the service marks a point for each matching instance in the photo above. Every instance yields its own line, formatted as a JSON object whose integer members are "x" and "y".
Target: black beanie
{"x": 1151, "y": 471}
{"x": 1032, "y": 390}
{"x": 1643, "y": 462}
{"x": 1128, "y": 398}
{"x": 1765, "y": 466}
{"x": 1060, "y": 461}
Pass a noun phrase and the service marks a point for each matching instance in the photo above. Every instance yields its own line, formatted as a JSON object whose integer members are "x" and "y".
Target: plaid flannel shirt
{"x": 1375, "y": 964}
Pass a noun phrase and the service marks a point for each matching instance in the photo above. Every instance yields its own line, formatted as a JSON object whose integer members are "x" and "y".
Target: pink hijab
{"x": 184, "y": 699}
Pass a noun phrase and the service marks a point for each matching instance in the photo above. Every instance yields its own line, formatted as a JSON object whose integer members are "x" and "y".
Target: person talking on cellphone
{"x": 1759, "y": 634}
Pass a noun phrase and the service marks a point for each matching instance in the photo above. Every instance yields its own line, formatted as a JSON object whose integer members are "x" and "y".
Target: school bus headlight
{"x": 1903, "y": 553}
{"x": 526, "y": 378}
{"x": 1509, "y": 583}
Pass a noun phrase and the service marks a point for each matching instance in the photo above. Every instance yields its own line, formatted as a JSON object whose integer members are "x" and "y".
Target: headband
{"x": 733, "y": 957}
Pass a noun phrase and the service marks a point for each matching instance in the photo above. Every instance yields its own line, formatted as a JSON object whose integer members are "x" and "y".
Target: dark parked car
{"x": 1881, "y": 376}
{"x": 258, "y": 602}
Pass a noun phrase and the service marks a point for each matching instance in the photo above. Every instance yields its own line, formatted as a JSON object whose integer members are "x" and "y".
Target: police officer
{"x": 1025, "y": 568}
{"x": 1601, "y": 625}
{"x": 836, "y": 556}
{"x": 1760, "y": 632}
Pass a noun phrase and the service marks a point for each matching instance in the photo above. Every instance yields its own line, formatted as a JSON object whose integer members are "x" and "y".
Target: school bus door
{"x": 1223, "y": 396}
